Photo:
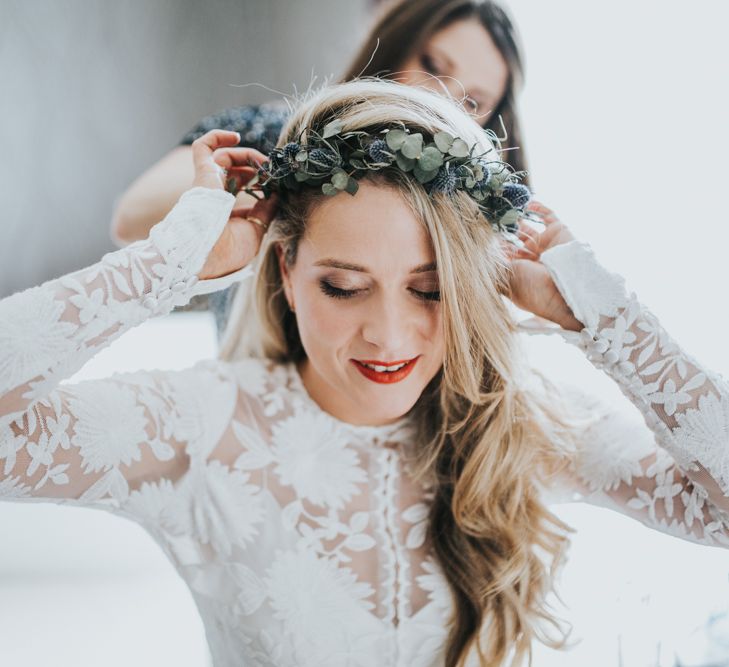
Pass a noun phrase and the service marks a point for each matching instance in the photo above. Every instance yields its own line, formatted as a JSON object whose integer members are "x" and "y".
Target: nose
{"x": 389, "y": 326}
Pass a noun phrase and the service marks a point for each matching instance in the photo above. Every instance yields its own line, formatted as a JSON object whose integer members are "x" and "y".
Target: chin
{"x": 393, "y": 409}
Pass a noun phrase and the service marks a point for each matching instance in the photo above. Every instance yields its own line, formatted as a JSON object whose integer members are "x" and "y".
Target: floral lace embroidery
{"x": 683, "y": 487}
{"x": 303, "y": 539}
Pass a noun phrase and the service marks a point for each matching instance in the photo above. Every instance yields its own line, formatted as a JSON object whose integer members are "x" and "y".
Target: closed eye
{"x": 427, "y": 296}
{"x": 429, "y": 65}
{"x": 336, "y": 292}
{"x": 339, "y": 293}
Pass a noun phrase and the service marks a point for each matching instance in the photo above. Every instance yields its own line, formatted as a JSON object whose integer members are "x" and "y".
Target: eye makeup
{"x": 340, "y": 293}
{"x": 429, "y": 65}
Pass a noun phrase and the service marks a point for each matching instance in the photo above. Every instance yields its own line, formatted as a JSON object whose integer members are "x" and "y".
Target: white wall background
{"x": 625, "y": 117}
{"x": 626, "y": 109}
{"x": 94, "y": 91}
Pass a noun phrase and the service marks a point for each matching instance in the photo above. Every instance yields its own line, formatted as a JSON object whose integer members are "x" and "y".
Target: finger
{"x": 529, "y": 237}
{"x": 526, "y": 253}
{"x": 521, "y": 254}
{"x": 202, "y": 150}
{"x": 526, "y": 231}
{"x": 266, "y": 209}
{"x": 544, "y": 212}
{"x": 513, "y": 250}
{"x": 215, "y": 139}
{"x": 240, "y": 157}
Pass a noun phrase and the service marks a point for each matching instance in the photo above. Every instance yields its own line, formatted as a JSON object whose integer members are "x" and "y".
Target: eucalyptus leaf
{"x": 300, "y": 176}
{"x": 405, "y": 163}
{"x": 470, "y": 182}
{"x": 413, "y": 146}
{"x": 301, "y": 156}
{"x": 431, "y": 159}
{"x": 444, "y": 141}
{"x": 499, "y": 179}
{"x": 357, "y": 163}
{"x": 328, "y": 189}
{"x": 510, "y": 218}
{"x": 340, "y": 180}
{"x": 459, "y": 148}
{"x": 352, "y": 186}
{"x": 396, "y": 138}
{"x": 330, "y": 129}
{"x": 424, "y": 176}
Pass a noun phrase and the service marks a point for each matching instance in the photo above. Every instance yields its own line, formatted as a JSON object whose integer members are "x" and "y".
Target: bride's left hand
{"x": 531, "y": 288}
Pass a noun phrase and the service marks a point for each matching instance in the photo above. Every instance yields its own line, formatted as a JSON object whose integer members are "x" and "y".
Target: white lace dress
{"x": 302, "y": 538}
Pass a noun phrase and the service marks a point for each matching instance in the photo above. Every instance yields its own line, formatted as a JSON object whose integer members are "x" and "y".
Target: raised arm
{"x": 678, "y": 479}
{"x": 88, "y": 440}
{"x": 152, "y": 194}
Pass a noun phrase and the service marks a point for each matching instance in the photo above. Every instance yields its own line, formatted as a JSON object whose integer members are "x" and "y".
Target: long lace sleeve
{"x": 679, "y": 482}
{"x": 89, "y": 441}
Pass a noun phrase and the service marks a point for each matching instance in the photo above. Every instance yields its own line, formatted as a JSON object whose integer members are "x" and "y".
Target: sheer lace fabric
{"x": 301, "y": 537}
{"x": 681, "y": 486}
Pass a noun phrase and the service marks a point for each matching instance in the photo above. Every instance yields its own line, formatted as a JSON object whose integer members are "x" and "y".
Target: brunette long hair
{"x": 403, "y": 27}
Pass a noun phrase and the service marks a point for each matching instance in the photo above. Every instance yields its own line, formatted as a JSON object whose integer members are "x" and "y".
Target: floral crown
{"x": 333, "y": 160}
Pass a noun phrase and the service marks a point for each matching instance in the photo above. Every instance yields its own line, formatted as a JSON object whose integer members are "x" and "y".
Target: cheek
{"x": 435, "y": 333}
{"x": 322, "y": 320}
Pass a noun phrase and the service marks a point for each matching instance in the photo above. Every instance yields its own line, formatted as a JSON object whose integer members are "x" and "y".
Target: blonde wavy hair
{"x": 490, "y": 437}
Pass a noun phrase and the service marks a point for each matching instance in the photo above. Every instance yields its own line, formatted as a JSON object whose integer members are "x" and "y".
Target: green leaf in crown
{"x": 333, "y": 160}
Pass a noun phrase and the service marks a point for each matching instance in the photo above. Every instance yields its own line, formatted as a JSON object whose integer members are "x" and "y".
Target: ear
{"x": 285, "y": 275}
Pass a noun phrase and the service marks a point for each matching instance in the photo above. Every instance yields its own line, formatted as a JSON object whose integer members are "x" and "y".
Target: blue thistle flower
{"x": 289, "y": 151}
{"x": 323, "y": 159}
{"x": 283, "y": 160}
{"x": 445, "y": 181}
{"x": 516, "y": 194}
{"x": 378, "y": 151}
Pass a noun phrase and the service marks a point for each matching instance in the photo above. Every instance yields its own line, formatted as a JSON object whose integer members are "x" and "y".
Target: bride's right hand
{"x": 217, "y": 159}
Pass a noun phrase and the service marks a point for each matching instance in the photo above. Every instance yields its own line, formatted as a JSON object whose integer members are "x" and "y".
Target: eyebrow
{"x": 336, "y": 264}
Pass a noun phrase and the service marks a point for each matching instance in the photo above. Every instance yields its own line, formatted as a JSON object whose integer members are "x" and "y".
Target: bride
{"x": 364, "y": 476}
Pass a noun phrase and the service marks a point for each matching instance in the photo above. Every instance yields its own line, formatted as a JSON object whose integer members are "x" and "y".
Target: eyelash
{"x": 338, "y": 293}
{"x": 428, "y": 65}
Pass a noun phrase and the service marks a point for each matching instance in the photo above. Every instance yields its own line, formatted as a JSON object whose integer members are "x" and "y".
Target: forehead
{"x": 476, "y": 59}
{"x": 374, "y": 228}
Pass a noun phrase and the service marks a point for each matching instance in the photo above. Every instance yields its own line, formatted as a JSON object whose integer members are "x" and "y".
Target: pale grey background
{"x": 94, "y": 91}
{"x": 625, "y": 115}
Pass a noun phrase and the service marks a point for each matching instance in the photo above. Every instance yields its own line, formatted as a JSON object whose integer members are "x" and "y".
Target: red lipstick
{"x": 385, "y": 377}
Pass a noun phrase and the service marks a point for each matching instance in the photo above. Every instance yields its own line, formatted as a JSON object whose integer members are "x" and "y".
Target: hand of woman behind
{"x": 217, "y": 161}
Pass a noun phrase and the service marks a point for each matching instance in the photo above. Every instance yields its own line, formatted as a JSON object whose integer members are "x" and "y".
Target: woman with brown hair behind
{"x": 363, "y": 476}
{"x": 464, "y": 48}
